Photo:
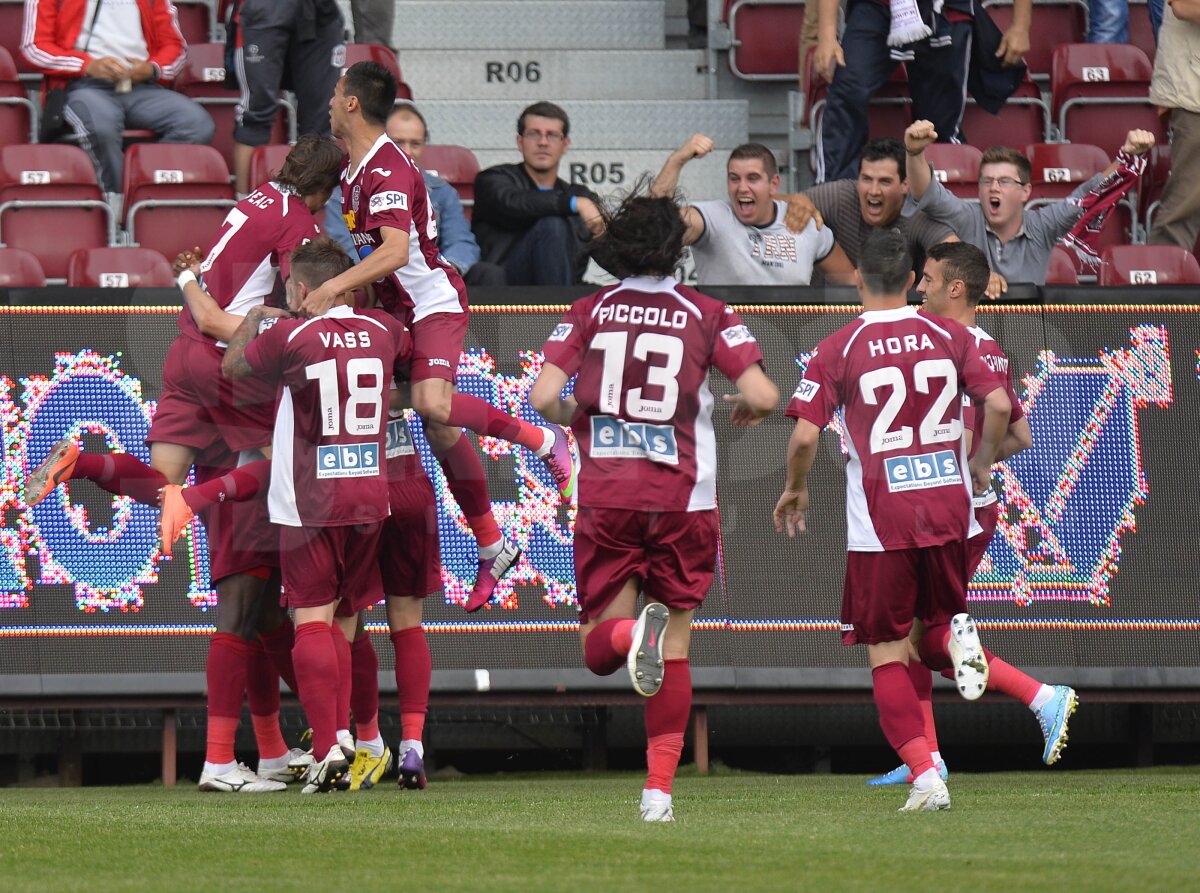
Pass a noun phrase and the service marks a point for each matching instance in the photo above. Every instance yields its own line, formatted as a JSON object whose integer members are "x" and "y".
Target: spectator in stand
{"x": 113, "y": 59}
{"x": 294, "y": 41}
{"x": 526, "y": 218}
{"x": 374, "y": 21}
{"x": 936, "y": 48}
{"x": 1108, "y": 20}
{"x": 1176, "y": 90}
{"x": 407, "y": 128}
{"x": 1016, "y": 242}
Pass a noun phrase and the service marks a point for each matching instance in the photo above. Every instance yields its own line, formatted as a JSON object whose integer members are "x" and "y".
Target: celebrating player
{"x": 897, "y": 377}
{"x": 642, "y": 415}
{"x": 391, "y": 221}
{"x": 327, "y": 481}
{"x": 954, "y": 281}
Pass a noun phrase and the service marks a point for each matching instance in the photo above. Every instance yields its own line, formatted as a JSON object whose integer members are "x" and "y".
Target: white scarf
{"x": 907, "y": 25}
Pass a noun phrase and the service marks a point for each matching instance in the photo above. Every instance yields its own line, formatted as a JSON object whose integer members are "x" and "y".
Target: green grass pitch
{"x": 1054, "y": 830}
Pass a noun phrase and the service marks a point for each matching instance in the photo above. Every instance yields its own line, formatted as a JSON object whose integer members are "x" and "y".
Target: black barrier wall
{"x": 1092, "y": 570}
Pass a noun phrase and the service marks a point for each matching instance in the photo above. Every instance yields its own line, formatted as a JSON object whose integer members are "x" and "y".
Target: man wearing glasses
{"x": 1017, "y": 242}
{"x": 528, "y": 220}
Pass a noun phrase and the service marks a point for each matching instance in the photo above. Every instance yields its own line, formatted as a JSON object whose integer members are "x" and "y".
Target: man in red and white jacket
{"x": 113, "y": 57}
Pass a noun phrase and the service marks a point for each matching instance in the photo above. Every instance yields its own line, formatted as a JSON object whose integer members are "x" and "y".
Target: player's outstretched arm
{"x": 210, "y": 318}
{"x": 918, "y": 135}
{"x": 996, "y": 411}
{"x": 793, "y": 502}
{"x": 757, "y": 397}
{"x": 234, "y": 364}
{"x": 383, "y": 261}
{"x": 546, "y": 396}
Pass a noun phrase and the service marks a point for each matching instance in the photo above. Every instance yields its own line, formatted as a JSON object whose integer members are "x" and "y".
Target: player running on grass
{"x": 641, "y": 411}
{"x": 897, "y": 376}
{"x": 954, "y": 281}
{"x": 392, "y": 223}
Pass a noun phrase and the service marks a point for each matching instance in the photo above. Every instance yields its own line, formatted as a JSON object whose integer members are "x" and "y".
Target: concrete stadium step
{"x": 609, "y": 172}
{"x": 531, "y": 24}
{"x": 595, "y": 124}
{"x": 561, "y": 75}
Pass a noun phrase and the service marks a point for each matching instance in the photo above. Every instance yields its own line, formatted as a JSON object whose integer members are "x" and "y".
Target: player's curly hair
{"x": 644, "y": 235}
{"x": 315, "y": 263}
{"x": 312, "y": 166}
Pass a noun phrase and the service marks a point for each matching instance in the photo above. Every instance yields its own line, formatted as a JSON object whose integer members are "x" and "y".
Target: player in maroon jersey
{"x": 205, "y": 419}
{"x": 954, "y": 282}
{"x": 392, "y": 223}
{"x": 641, "y": 411}
{"x": 897, "y": 377}
{"x": 328, "y": 482}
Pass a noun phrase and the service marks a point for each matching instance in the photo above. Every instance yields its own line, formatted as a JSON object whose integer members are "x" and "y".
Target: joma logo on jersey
{"x": 358, "y": 460}
{"x": 617, "y": 439}
{"x": 388, "y": 201}
{"x": 399, "y": 439}
{"x": 921, "y": 472}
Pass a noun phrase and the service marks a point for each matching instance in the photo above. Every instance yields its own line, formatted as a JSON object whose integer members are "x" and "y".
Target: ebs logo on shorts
{"x": 921, "y": 472}
{"x": 614, "y": 438}
{"x": 350, "y": 460}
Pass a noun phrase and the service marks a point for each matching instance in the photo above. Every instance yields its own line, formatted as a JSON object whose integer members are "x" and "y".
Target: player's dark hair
{"x": 885, "y": 262}
{"x": 312, "y": 166}
{"x": 747, "y": 151}
{"x": 963, "y": 261}
{"x": 1005, "y": 155}
{"x": 883, "y": 149}
{"x": 407, "y": 108}
{"x": 544, "y": 110}
{"x": 643, "y": 237}
{"x": 315, "y": 263}
{"x": 375, "y": 88}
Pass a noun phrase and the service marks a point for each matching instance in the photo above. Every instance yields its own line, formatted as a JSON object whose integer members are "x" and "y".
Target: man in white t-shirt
{"x": 744, "y": 241}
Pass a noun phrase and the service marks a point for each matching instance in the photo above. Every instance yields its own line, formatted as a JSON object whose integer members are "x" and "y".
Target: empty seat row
{"x": 104, "y": 267}
{"x": 1130, "y": 265}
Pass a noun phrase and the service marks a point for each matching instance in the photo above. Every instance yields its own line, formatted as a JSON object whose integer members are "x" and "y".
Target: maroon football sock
{"x": 240, "y": 485}
{"x": 122, "y": 474}
{"x": 345, "y": 675}
{"x": 226, "y": 678}
{"x": 481, "y": 417}
{"x": 1007, "y": 679}
{"x": 278, "y": 644}
{"x": 316, "y": 664}
{"x": 364, "y": 687}
{"x": 607, "y": 646}
{"x": 666, "y": 722}
{"x": 900, "y": 715}
{"x": 464, "y": 477}
{"x": 414, "y": 668}
{"x": 922, "y": 680}
{"x": 262, "y": 692}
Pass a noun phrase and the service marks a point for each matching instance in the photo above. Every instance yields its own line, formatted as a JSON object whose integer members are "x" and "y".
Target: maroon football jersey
{"x": 643, "y": 349}
{"x": 327, "y": 452}
{"x": 997, "y": 361}
{"x": 386, "y": 189}
{"x": 249, "y": 260}
{"x": 402, "y": 459}
{"x": 898, "y": 377}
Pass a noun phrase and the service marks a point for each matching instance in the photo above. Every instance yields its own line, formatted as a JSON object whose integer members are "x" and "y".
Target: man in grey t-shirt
{"x": 745, "y": 241}
{"x": 1017, "y": 242}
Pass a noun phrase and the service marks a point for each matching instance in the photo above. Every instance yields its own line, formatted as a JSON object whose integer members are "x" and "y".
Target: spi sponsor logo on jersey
{"x": 399, "y": 439}
{"x": 735, "y": 336}
{"x": 922, "y": 471}
{"x": 614, "y": 438}
{"x": 348, "y": 460}
{"x": 389, "y": 200}
{"x": 806, "y": 390}
{"x": 561, "y": 331}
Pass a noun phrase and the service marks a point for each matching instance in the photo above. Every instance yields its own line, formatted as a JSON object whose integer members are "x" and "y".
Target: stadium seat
{"x": 956, "y": 167}
{"x": 1148, "y": 265}
{"x": 1099, "y": 92}
{"x": 456, "y": 165}
{"x": 51, "y": 204}
{"x": 766, "y": 39}
{"x": 175, "y": 196}
{"x": 1061, "y": 269}
{"x": 266, "y": 161}
{"x": 203, "y": 79}
{"x": 373, "y": 52}
{"x": 20, "y": 269}
{"x": 12, "y": 26}
{"x": 195, "y": 19}
{"x": 16, "y": 109}
{"x": 1025, "y": 118}
{"x": 1141, "y": 32}
{"x": 1059, "y": 168}
{"x": 118, "y": 268}
{"x": 1154, "y": 180}
{"x": 1056, "y": 22}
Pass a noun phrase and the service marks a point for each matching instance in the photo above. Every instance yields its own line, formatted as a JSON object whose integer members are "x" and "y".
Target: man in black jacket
{"x": 528, "y": 220}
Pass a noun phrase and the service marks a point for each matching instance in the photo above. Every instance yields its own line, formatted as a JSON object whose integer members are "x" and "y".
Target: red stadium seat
{"x": 766, "y": 39}
{"x": 195, "y": 21}
{"x": 266, "y": 162}
{"x": 51, "y": 204}
{"x": 1154, "y": 180}
{"x": 12, "y": 28}
{"x": 956, "y": 167}
{"x": 203, "y": 79}
{"x": 1099, "y": 92}
{"x": 20, "y": 269}
{"x": 1056, "y": 22}
{"x": 1061, "y": 269}
{"x": 1025, "y": 118}
{"x": 16, "y": 110}
{"x": 456, "y": 165}
{"x": 1148, "y": 265}
{"x": 119, "y": 268}
{"x": 1059, "y": 168}
{"x": 373, "y": 52}
{"x": 175, "y": 196}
